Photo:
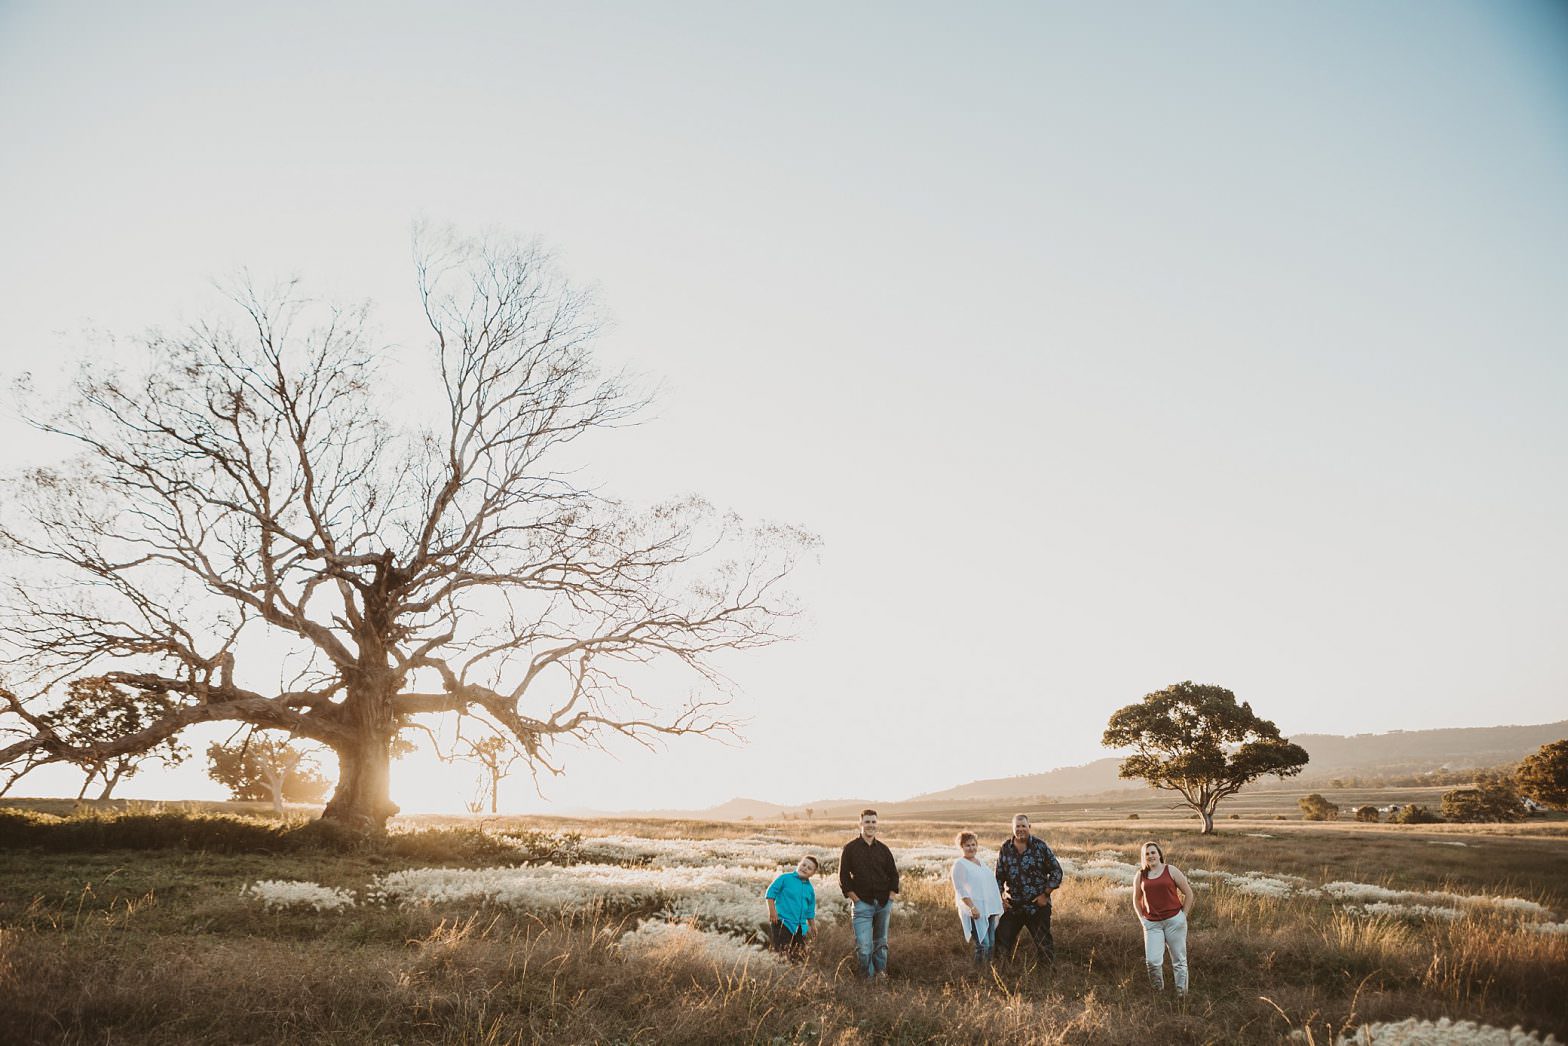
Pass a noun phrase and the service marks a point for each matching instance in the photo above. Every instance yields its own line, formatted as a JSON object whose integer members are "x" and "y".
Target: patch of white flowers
{"x": 284, "y": 893}
{"x": 718, "y": 885}
{"x": 1100, "y": 867}
{"x": 713, "y": 896}
{"x": 1441, "y": 1032}
{"x": 929, "y": 861}
{"x": 751, "y": 852}
{"x": 1254, "y": 883}
{"x": 1366, "y": 892}
{"x": 1405, "y": 911}
{"x": 719, "y": 896}
{"x": 658, "y": 939}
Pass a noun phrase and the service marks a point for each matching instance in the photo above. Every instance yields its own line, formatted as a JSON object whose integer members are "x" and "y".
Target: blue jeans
{"x": 983, "y": 932}
{"x": 870, "y": 922}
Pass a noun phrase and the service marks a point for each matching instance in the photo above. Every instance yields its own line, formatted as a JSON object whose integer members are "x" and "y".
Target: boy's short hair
{"x": 868, "y": 813}
{"x": 813, "y": 859}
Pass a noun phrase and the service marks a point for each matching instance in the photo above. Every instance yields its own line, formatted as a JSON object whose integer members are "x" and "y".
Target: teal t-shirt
{"x": 795, "y": 899}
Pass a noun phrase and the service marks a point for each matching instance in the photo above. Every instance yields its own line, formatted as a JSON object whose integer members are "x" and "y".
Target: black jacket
{"x": 867, "y": 871}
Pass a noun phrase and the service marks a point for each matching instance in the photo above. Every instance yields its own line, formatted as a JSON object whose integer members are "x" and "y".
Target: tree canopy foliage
{"x": 1491, "y": 798}
{"x": 1197, "y": 741}
{"x": 1543, "y": 775}
{"x": 245, "y": 495}
{"x": 1315, "y": 807}
{"x": 260, "y": 768}
{"x": 96, "y": 711}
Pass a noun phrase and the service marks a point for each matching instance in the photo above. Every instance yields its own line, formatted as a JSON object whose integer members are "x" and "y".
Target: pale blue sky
{"x": 1105, "y": 346}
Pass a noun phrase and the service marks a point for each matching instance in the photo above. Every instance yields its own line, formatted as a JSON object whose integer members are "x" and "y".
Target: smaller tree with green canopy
{"x": 1491, "y": 799}
{"x": 98, "y": 711}
{"x": 260, "y": 768}
{"x": 1198, "y": 741}
{"x": 1544, "y": 775}
{"x": 1316, "y": 808}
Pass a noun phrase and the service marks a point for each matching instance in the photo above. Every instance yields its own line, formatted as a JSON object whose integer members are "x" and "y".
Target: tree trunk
{"x": 272, "y": 776}
{"x": 1208, "y": 821}
{"x": 495, "y": 792}
{"x": 86, "y": 783}
{"x": 363, "y": 796}
{"x": 110, "y": 782}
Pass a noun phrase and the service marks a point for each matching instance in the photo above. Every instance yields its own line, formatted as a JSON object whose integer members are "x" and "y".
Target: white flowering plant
{"x": 276, "y": 894}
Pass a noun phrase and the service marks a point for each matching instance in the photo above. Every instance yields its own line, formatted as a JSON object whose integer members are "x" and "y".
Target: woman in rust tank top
{"x": 1162, "y": 897}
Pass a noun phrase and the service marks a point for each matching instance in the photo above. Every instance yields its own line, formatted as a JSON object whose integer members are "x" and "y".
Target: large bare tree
{"x": 240, "y": 499}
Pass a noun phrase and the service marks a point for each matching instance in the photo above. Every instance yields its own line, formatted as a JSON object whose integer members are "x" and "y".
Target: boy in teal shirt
{"x": 792, "y": 905}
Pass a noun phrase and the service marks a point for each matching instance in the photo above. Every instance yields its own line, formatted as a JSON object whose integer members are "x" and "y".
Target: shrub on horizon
{"x": 1543, "y": 776}
{"x": 1316, "y": 808}
{"x": 1367, "y": 814}
{"x": 1491, "y": 799}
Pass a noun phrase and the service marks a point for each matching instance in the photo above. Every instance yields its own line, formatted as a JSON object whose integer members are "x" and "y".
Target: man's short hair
{"x": 1020, "y": 817}
{"x": 867, "y": 813}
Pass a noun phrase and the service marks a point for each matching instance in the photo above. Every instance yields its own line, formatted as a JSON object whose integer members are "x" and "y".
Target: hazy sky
{"x": 1105, "y": 346}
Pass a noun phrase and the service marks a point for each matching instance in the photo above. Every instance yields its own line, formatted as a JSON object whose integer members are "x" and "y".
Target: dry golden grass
{"x": 160, "y": 947}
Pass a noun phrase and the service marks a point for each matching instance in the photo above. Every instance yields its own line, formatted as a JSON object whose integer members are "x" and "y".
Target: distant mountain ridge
{"x": 1331, "y": 755}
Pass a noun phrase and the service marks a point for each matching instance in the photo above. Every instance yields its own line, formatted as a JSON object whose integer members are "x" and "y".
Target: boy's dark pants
{"x": 1012, "y": 923}
{"x": 792, "y": 945}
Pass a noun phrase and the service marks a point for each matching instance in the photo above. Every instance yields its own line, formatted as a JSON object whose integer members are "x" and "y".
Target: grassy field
{"x": 529, "y": 930}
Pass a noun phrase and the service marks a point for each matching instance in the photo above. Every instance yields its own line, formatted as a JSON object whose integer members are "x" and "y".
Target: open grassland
{"x": 629, "y": 931}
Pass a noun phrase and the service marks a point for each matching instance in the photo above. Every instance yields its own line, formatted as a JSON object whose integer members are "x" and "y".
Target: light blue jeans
{"x": 1160, "y": 937}
{"x": 870, "y": 922}
{"x": 983, "y": 932}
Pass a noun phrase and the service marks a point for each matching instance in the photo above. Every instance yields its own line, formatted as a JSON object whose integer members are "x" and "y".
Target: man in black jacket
{"x": 869, "y": 878}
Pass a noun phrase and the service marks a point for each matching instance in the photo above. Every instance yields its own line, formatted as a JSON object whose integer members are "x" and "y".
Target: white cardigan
{"x": 977, "y": 882}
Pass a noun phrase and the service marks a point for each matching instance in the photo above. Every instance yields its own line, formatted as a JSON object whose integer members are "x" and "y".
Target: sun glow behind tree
{"x": 244, "y": 487}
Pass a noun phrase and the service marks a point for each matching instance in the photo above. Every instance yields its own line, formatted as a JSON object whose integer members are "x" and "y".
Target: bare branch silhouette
{"x": 246, "y": 490}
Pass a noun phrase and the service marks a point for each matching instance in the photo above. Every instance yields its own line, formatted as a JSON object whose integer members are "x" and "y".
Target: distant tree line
{"x": 1499, "y": 795}
{"x": 1400, "y": 778}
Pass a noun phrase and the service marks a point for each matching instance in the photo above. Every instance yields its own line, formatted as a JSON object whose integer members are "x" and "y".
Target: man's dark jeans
{"x": 1012, "y": 923}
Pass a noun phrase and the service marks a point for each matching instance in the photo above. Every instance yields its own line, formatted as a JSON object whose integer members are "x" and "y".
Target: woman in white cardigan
{"x": 977, "y": 895}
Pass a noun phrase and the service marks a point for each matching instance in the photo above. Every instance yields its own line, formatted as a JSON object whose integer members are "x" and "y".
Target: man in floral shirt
{"x": 1027, "y": 871}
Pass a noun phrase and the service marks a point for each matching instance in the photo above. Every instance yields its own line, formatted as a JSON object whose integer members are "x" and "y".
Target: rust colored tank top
{"x": 1159, "y": 898}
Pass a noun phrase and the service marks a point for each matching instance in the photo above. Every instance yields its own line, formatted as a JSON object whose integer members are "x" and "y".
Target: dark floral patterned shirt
{"x": 1024, "y": 876}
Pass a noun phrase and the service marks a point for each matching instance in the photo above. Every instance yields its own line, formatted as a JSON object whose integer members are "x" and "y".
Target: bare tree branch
{"x": 240, "y": 498}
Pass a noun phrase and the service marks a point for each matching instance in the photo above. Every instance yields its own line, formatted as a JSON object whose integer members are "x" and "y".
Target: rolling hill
{"x": 1396, "y": 752}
